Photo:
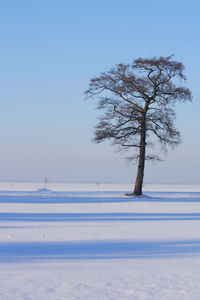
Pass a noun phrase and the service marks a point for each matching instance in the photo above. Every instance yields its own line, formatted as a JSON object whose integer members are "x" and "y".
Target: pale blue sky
{"x": 50, "y": 50}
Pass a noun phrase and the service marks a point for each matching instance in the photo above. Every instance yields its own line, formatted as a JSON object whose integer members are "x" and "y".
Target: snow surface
{"x": 90, "y": 242}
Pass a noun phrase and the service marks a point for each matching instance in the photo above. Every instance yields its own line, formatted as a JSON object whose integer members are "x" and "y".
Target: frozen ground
{"x": 89, "y": 242}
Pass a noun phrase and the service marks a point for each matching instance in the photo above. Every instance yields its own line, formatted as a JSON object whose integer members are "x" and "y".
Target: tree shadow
{"x": 59, "y": 199}
{"x": 87, "y": 250}
{"x": 96, "y": 217}
{"x": 94, "y": 197}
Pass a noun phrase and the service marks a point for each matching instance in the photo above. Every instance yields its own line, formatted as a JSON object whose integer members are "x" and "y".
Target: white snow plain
{"x": 89, "y": 242}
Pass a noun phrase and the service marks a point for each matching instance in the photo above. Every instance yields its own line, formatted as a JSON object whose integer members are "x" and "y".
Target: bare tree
{"x": 138, "y": 103}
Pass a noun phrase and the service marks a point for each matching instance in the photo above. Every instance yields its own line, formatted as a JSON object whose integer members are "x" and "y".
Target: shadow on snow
{"x": 18, "y": 252}
{"x": 96, "y": 217}
{"x": 94, "y": 197}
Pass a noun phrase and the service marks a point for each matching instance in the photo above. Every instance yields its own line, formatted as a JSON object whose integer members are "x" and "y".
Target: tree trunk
{"x": 141, "y": 164}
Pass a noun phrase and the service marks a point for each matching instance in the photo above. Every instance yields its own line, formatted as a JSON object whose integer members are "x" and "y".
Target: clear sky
{"x": 50, "y": 50}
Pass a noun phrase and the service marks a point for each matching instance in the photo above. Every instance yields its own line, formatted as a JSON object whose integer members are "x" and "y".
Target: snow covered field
{"x": 89, "y": 242}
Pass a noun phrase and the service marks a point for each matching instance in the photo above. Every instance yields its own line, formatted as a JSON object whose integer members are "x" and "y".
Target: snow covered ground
{"x": 89, "y": 242}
